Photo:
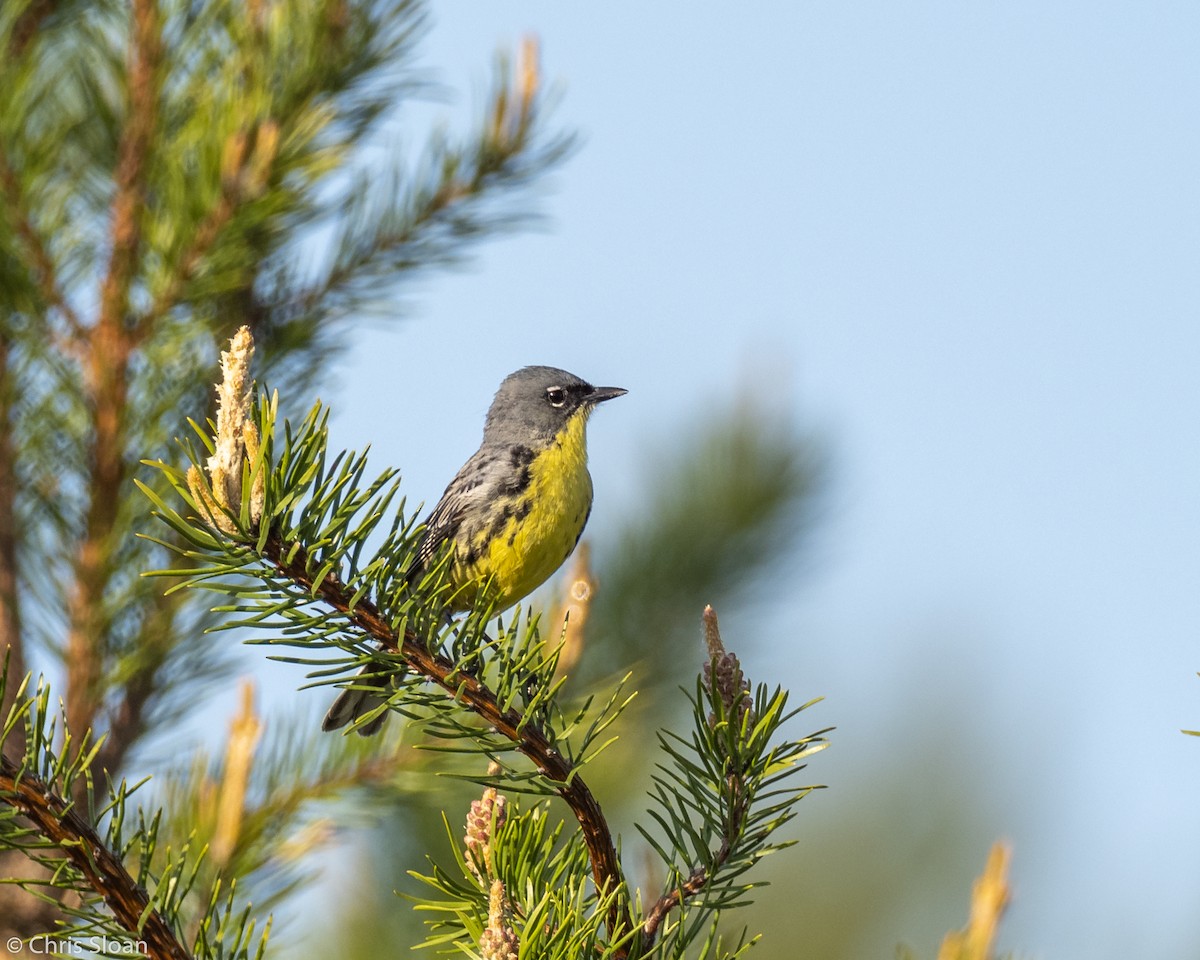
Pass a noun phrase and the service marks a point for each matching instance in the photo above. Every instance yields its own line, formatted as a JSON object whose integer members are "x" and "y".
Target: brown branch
{"x": 529, "y": 739}
{"x": 689, "y": 888}
{"x": 106, "y": 377}
{"x": 668, "y": 902}
{"x": 695, "y": 882}
{"x": 57, "y": 820}
{"x": 132, "y": 155}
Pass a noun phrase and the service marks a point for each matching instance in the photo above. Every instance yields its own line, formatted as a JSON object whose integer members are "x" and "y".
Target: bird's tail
{"x": 368, "y": 692}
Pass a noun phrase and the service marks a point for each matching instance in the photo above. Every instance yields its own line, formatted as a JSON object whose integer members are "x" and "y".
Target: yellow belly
{"x": 547, "y": 518}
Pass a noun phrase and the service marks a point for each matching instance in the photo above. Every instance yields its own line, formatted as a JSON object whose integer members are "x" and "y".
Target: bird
{"x": 512, "y": 514}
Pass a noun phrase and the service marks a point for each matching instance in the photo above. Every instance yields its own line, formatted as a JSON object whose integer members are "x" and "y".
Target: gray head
{"x": 537, "y": 402}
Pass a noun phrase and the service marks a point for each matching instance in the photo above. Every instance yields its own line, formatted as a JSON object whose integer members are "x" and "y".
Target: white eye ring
{"x": 556, "y": 396}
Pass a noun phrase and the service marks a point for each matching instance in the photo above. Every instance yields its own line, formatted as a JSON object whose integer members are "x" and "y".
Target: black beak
{"x": 600, "y": 394}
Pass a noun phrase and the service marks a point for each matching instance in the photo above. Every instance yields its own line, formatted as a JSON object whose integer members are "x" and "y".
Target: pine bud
{"x": 236, "y": 441}
{"x": 486, "y": 816}
{"x": 258, "y": 486}
{"x": 732, "y": 688}
{"x": 499, "y": 940}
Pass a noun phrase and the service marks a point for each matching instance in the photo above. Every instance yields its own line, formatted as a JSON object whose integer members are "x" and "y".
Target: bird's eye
{"x": 556, "y": 395}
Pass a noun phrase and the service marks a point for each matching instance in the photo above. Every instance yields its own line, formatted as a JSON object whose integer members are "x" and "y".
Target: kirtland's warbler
{"x": 513, "y": 513}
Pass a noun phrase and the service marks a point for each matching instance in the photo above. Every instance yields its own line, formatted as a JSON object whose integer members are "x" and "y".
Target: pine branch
{"x": 293, "y": 563}
{"x": 722, "y": 780}
{"x": 279, "y": 525}
{"x": 238, "y": 465}
{"x": 516, "y": 886}
{"x": 108, "y": 871}
{"x": 57, "y": 820}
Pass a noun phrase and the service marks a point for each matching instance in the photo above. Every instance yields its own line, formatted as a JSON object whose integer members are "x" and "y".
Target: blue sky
{"x": 960, "y": 240}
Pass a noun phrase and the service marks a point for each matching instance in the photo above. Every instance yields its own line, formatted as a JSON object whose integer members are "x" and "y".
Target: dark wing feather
{"x": 471, "y": 486}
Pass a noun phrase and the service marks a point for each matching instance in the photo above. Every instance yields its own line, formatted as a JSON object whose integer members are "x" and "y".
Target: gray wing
{"x": 462, "y": 508}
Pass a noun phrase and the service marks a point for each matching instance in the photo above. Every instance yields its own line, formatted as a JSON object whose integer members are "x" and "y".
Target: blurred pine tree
{"x": 164, "y": 166}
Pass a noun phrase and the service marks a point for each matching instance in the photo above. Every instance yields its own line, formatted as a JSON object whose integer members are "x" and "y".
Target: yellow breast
{"x": 547, "y": 518}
